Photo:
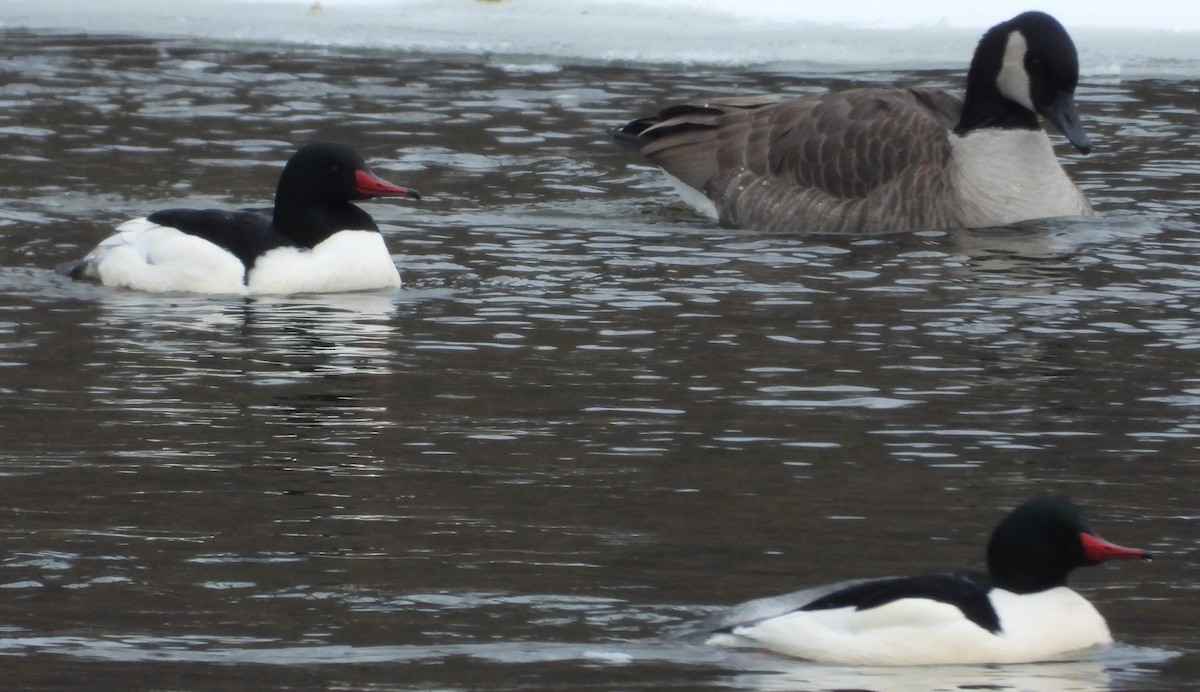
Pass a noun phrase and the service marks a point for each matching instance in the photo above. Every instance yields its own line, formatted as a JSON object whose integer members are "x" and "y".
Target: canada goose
{"x": 886, "y": 158}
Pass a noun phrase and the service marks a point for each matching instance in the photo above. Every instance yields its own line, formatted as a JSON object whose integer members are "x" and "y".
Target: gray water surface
{"x": 589, "y": 415}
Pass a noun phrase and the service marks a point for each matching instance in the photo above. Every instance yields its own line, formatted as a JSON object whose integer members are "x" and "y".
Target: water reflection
{"x": 1122, "y": 668}
{"x": 278, "y": 337}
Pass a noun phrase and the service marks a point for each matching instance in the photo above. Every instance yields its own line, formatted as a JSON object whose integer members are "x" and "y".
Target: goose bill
{"x": 1063, "y": 113}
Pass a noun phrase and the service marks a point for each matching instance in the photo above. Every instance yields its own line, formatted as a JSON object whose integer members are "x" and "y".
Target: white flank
{"x": 345, "y": 261}
{"x": 1051, "y": 625}
{"x": 693, "y": 197}
{"x": 148, "y": 257}
{"x": 1004, "y": 176}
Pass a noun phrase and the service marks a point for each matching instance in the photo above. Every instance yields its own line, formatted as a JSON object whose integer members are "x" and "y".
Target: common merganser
{"x": 885, "y": 158}
{"x": 313, "y": 240}
{"x": 1019, "y": 611}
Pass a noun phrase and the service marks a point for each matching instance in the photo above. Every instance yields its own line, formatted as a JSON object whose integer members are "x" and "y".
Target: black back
{"x": 966, "y": 590}
{"x": 245, "y": 234}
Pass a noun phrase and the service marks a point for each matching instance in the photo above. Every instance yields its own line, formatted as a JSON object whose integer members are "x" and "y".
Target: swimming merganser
{"x": 313, "y": 240}
{"x": 1019, "y": 611}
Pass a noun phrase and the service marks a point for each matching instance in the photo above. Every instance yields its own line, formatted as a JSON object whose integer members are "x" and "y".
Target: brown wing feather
{"x": 694, "y": 142}
{"x": 860, "y": 160}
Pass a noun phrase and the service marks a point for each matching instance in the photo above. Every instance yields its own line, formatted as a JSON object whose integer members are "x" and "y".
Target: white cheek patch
{"x": 1013, "y": 80}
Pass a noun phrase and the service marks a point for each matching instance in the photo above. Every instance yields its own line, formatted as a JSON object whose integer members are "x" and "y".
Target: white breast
{"x": 345, "y": 261}
{"x": 1048, "y": 625}
{"x": 1005, "y": 176}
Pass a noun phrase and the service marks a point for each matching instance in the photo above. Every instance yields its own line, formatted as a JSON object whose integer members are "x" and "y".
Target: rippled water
{"x": 588, "y": 416}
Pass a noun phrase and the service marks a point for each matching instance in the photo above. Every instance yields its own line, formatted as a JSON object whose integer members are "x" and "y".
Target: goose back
{"x": 847, "y": 161}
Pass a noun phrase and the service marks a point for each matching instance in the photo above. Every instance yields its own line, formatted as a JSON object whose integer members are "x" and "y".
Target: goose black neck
{"x": 986, "y": 108}
{"x": 983, "y": 105}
